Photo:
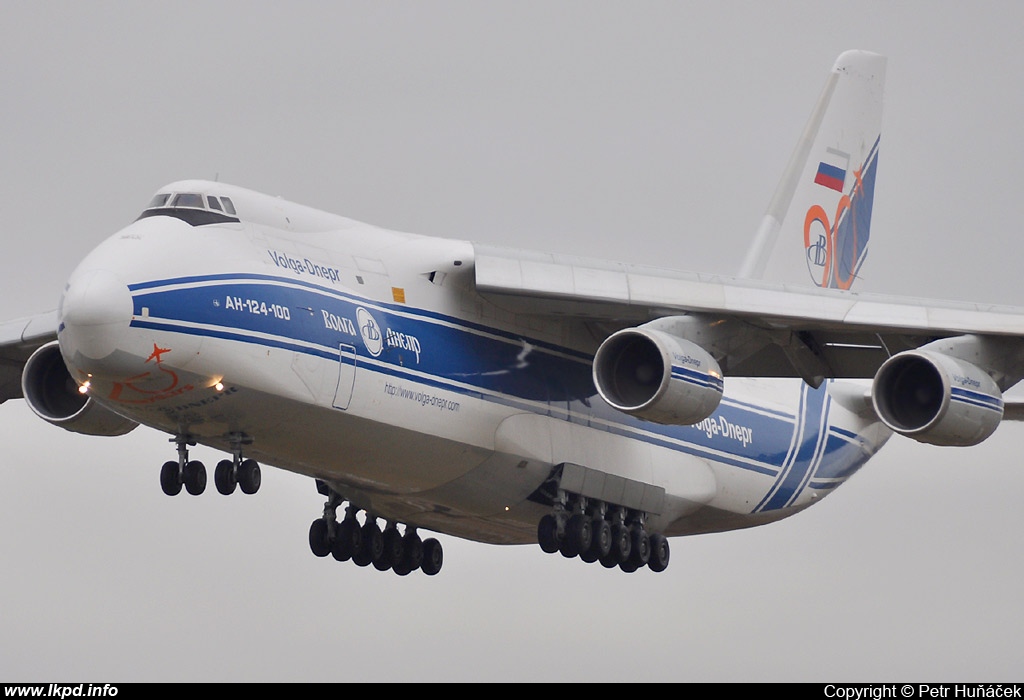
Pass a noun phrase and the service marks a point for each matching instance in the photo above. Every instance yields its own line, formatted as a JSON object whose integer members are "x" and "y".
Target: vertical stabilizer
{"x": 817, "y": 226}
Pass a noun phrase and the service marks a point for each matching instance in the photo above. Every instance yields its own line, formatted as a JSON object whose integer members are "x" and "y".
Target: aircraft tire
{"x": 249, "y": 477}
{"x": 433, "y": 557}
{"x": 360, "y": 555}
{"x": 601, "y": 540}
{"x": 224, "y": 477}
{"x": 547, "y": 534}
{"x": 659, "y": 553}
{"x": 413, "y": 547}
{"x": 593, "y": 552}
{"x": 170, "y": 479}
{"x": 641, "y": 548}
{"x": 578, "y": 536}
{"x": 318, "y": 543}
{"x": 346, "y": 540}
{"x": 622, "y": 544}
{"x": 371, "y": 545}
{"x": 194, "y": 477}
{"x": 391, "y": 550}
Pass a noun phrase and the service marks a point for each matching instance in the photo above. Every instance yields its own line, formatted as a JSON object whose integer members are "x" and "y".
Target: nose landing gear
{"x": 245, "y": 473}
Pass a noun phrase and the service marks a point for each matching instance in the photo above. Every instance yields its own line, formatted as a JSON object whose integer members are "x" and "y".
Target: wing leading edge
{"x": 851, "y": 333}
{"x": 18, "y": 340}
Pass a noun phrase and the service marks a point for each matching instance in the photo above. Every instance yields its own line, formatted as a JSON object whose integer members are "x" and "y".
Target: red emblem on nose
{"x": 157, "y": 353}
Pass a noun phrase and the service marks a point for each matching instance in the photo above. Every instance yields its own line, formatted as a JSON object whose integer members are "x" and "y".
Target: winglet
{"x": 817, "y": 226}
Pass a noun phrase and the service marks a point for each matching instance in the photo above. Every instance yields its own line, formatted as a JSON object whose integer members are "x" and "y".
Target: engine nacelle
{"x": 53, "y": 395}
{"x": 937, "y": 399}
{"x": 656, "y": 376}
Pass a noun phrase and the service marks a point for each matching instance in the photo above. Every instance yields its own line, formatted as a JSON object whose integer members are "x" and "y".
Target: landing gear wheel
{"x": 170, "y": 479}
{"x": 578, "y": 535}
{"x": 249, "y": 478}
{"x": 194, "y": 476}
{"x": 433, "y": 557}
{"x": 392, "y": 551}
{"x": 413, "y": 546}
{"x": 547, "y": 534}
{"x": 347, "y": 538}
{"x": 622, "y": 544}
{"x": 224, "y": 477}
{"x": 372, "y": 545}
{"x": 659, "y": 553}
{"x": 319, "y": 542}
{"x": 600, "y": 541}
{"x": 641, "y": 548}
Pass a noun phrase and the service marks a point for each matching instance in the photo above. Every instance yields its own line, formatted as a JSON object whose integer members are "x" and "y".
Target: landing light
{"x": 83, "y": 388}
{"x": 219, "y": 386}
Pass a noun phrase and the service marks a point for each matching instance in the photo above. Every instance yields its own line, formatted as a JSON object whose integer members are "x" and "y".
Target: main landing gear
{"x": 238, "y": 471}
{"x": 595, "y": 531}
{"x": 365, "y": 543}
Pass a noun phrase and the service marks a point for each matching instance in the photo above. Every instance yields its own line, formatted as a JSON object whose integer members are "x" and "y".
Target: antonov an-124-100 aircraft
{"x": 513, "y": 397}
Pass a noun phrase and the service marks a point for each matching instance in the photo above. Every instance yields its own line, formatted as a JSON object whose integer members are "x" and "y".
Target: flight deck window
{"x": 194, "y": 208}
{"x": 188, "y": 200}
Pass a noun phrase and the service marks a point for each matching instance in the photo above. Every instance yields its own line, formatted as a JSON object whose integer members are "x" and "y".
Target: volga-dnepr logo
{"x": 368, "y": 328}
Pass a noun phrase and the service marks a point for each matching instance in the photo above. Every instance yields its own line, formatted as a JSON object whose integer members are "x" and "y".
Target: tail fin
{"x": 817, "y": 226}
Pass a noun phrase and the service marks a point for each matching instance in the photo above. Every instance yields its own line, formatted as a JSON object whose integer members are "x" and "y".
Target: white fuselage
{"x": 365, "y": 358}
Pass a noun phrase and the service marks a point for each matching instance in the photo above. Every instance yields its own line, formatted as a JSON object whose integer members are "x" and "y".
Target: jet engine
{"x": 51, "y": 392}
{"x": 937, "y": 399}
{"x": 656, "y": 376}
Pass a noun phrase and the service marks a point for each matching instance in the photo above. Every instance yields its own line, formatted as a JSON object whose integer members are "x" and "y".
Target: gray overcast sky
{"x": 652, "y": 132}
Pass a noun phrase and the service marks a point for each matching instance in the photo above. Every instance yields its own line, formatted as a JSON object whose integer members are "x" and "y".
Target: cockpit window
{"x": 194, "y": 208}
{"x": 186, "y": 199}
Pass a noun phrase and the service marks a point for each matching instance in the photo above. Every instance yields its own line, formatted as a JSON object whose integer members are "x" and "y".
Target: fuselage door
{"x": 346, "y": 375}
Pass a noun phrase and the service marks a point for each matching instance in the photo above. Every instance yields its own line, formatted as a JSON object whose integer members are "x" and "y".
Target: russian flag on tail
{"x": 831, "y": 175}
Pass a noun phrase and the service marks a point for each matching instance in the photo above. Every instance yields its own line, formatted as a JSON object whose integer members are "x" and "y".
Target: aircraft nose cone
{"x": 94, "y": 314}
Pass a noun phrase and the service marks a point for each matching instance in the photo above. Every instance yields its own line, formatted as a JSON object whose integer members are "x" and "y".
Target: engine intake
{"x": 937, "y": 399}
{"x": 656, "y": 376}
{"x": 53, "y": 395}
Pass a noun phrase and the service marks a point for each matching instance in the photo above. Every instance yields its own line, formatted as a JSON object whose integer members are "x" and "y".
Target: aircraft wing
{"x": 784, "y": 330}
{"x": 1013, "y": 408}
{"x": 18, "y": 340}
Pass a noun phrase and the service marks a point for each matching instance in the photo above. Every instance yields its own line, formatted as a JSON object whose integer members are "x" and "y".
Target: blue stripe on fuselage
{"x": 449, "y": 353}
